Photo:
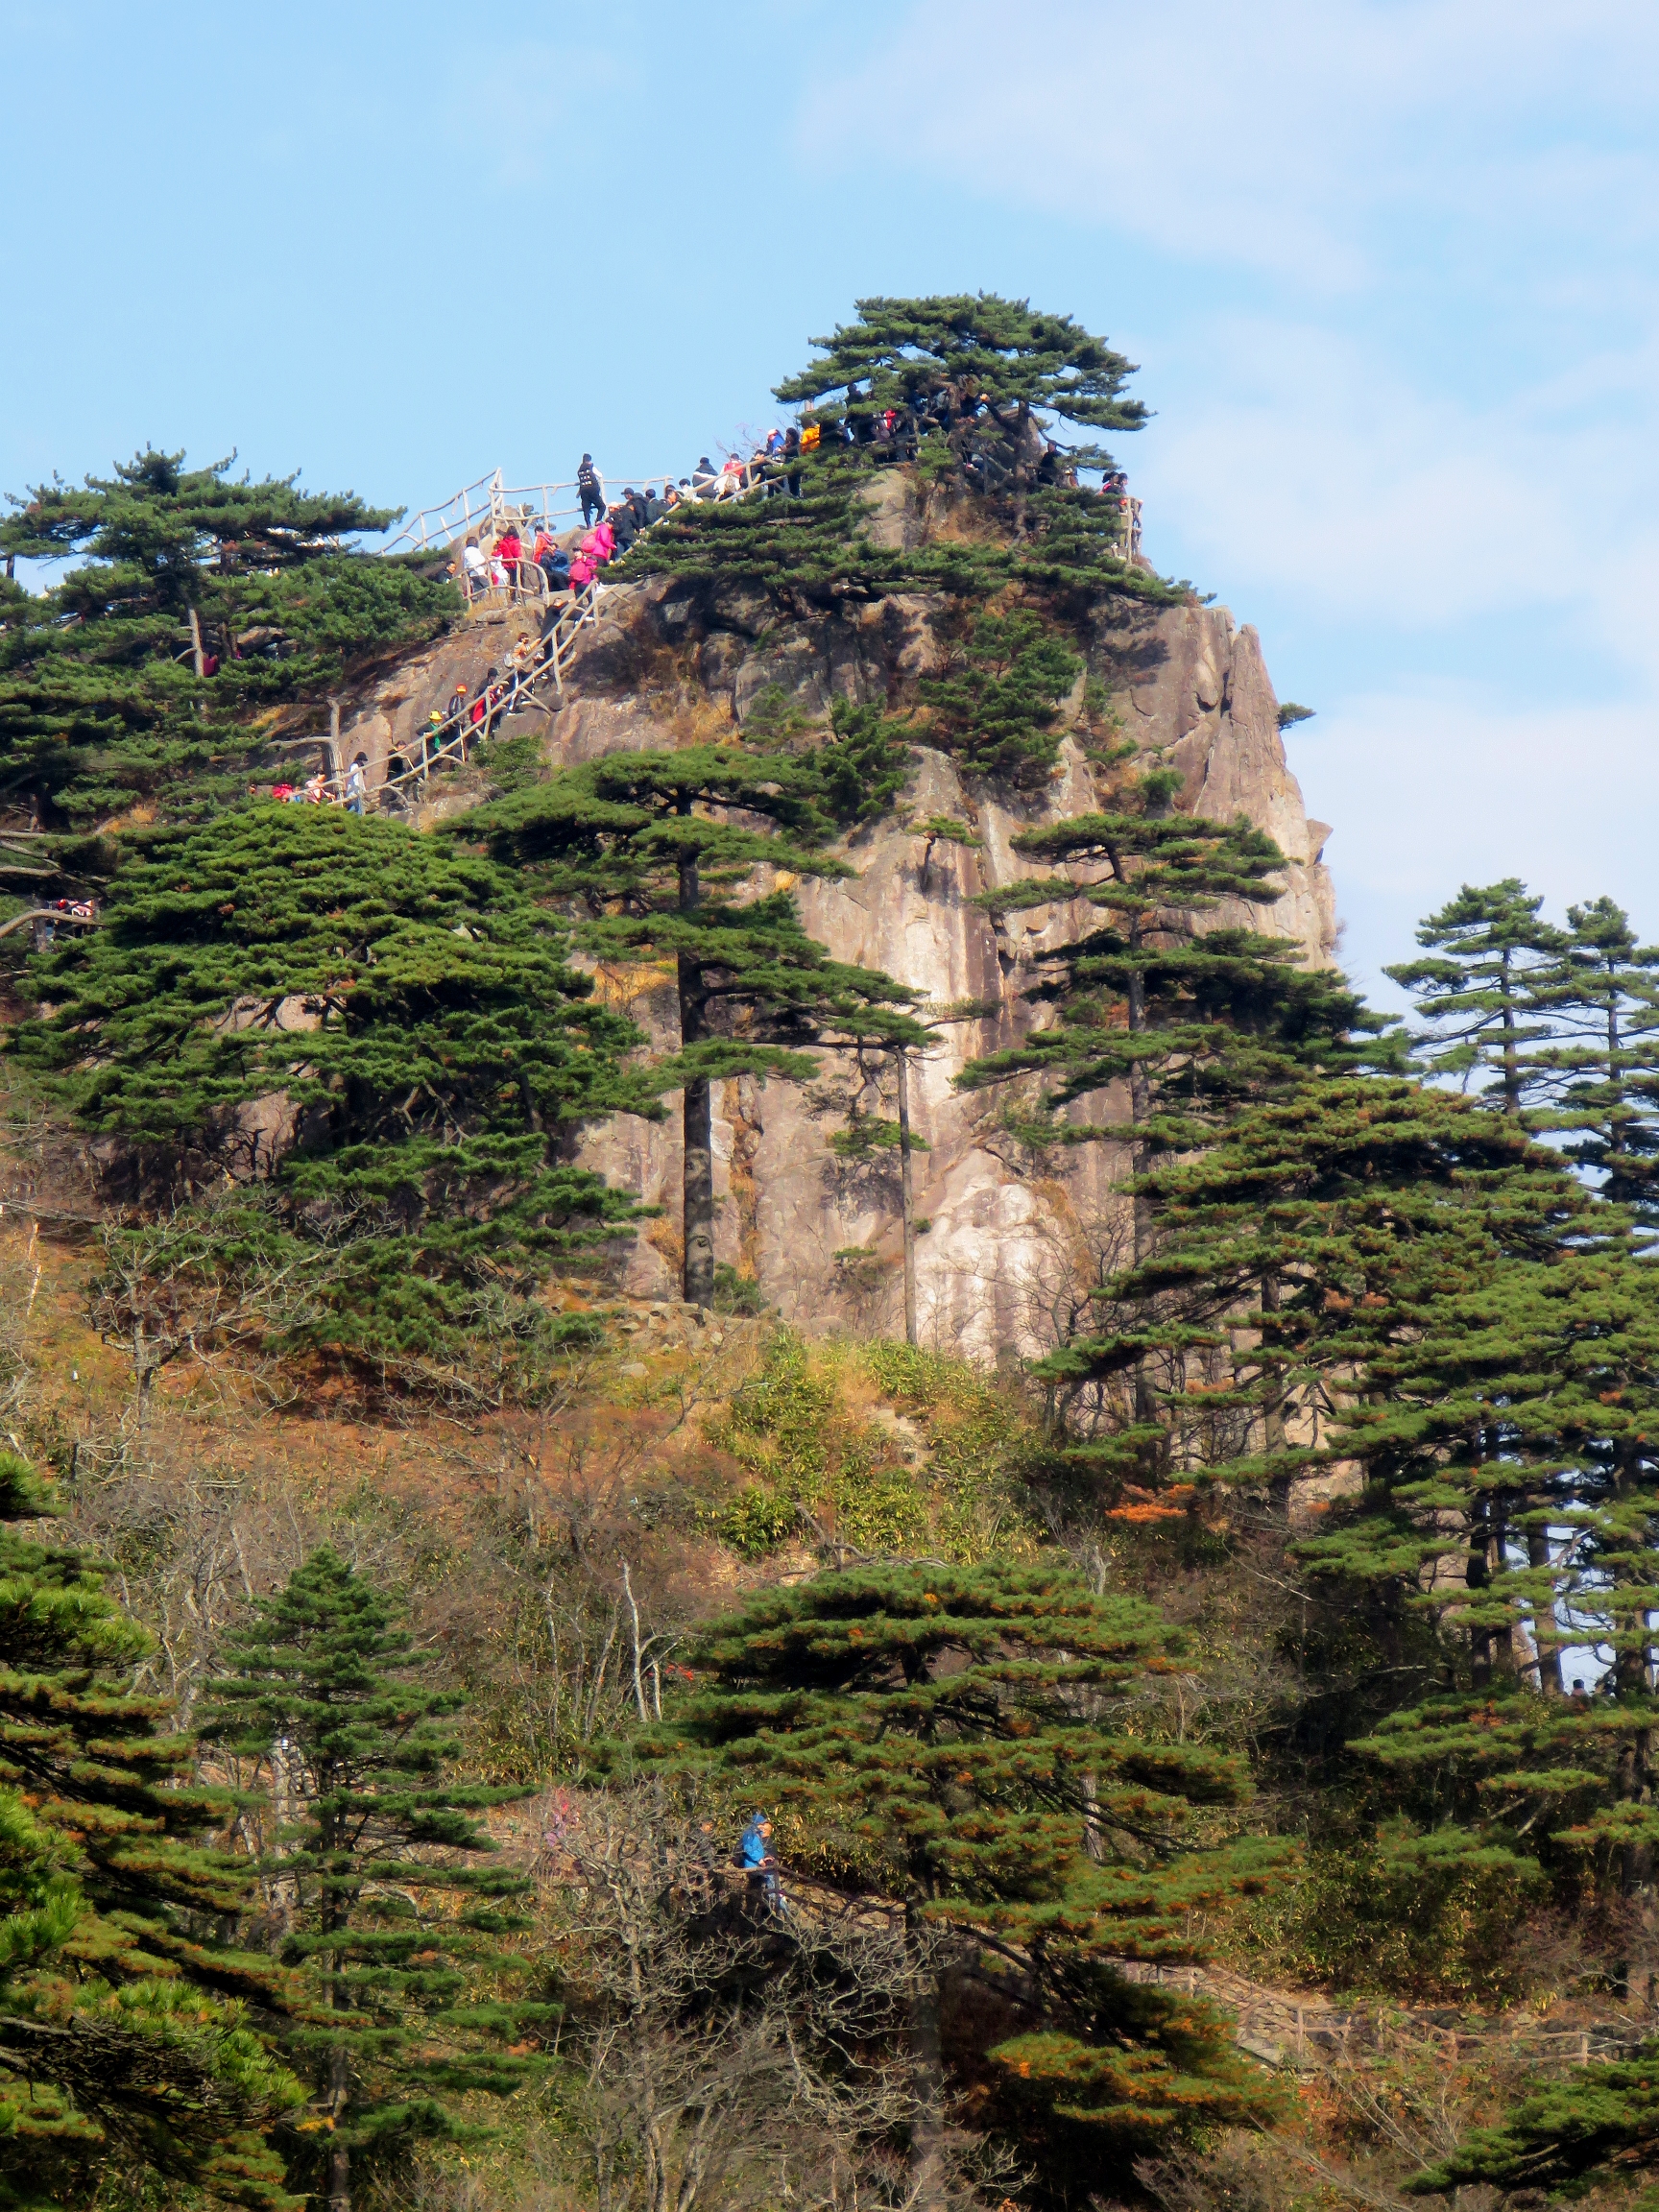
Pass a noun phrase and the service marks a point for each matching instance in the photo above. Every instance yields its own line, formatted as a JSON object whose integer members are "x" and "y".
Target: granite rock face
{"x": 1008, "y": 1248}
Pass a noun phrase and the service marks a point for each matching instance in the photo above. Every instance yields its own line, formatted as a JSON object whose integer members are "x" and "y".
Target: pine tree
{"x": 969, "y": 1740}
{"x": 202, "y": 600}
{"x": 1194, "y": 1020}
{"x": 997, "y": 706}
{"x": 123, "y": 2040}
{"x": 1489, "y": 990}
{"x": 1596, "y": 2124}
{"x": 1460, "y": 1317}
{"x": 1024, "y": 369}
{"x": 638, "y": 842}
{"x": 415, "y": 1009}
{"x": 998, "y": 379}
{"x": 396, "y": 1920}
{"x": 1599, "y": 1082}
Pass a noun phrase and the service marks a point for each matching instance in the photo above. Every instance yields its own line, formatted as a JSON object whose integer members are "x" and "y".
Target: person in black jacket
{"x": 590, "y": 490}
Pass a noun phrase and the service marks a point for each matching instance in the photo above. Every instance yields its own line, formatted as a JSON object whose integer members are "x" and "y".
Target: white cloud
{"x": 1443, "y": 785}
{"x": 1269, "y": 136}
{"x": 1306, "y": 460}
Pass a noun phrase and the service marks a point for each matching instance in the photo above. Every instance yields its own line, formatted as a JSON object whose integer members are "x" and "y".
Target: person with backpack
{"x": 590, "y": 492}
{"x": 598, "y": 546}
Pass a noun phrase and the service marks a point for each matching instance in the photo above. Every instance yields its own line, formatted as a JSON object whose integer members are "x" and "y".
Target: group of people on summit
{"x": 610, "y": 527}
{"x": 521, "y": 556}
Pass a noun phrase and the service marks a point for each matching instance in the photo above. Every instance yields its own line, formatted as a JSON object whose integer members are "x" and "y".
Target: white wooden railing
{"x": 453, "y": 734}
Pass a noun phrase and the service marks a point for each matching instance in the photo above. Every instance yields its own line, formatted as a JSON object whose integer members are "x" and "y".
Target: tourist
{"x": 357, "y": 784}
{"x": 755, "y": 1854}
{"x": 590, "y": 492}
{"x": 476, "y": 570}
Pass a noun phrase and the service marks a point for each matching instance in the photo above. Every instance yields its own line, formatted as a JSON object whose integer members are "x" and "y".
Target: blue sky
{"x": 1388, "y": 267}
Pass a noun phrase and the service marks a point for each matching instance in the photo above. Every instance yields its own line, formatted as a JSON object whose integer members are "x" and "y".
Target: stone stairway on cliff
{"x": 488, "y": 505}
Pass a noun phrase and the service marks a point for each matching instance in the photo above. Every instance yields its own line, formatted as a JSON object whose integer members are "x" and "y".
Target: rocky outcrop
{"x": 1010, "y": 1242}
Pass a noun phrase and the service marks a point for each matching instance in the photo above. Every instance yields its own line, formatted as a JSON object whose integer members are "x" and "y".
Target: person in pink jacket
{"x": 600, "y": 545}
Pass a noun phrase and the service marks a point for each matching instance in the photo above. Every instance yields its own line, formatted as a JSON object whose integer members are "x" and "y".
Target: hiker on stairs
{"x": 590, "y": 492}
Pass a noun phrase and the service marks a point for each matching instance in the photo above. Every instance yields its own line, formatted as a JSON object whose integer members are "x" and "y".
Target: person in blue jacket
{"x": 756, "y": 1857}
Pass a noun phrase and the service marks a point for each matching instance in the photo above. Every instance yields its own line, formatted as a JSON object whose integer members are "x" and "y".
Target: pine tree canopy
{"x": 1440, "y": 1301}
{"x": 633, "y": 844}
{"x": 1486, "y": 988}
{"x": 1019, "y": 361}
{"x": 122, "y": 2037}
{"x": 1596, "y": 1080}
{"x": 997, "y": 706}
{"x": 1194, "y": 1020}
{"x": 100, "y": 703}
{"x": 416, "y": 1010}
{"x": 399, "y": 1923}
{"x": 926, "y": 1722}
{"x": 1596, "y": 2124}
{"x": 969, "y": 1739}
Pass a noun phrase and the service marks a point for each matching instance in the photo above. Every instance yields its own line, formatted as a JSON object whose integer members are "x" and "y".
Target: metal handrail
{"x": 438, "y": 528}
{"x": 453, "y": 731}
{"x": 557, "y": 647}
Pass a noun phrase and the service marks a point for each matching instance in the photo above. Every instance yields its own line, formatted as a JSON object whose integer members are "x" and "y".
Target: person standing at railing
{"x": 590, "y": 492}
{"x": 357, "y": 784}
{"x": 703, "y": 480}
{"x": 510, "y": 551}
{"x": 474, "y": 568}
{"x": 518, "y": 667}
{"x": 623, "y": 522}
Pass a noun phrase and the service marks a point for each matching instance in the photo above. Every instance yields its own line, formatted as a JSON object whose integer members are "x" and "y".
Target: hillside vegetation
{"x": 472, "y": 1738}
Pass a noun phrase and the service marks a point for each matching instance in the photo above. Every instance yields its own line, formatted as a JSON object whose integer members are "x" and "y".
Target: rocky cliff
{"x": 1010, "y": 1238}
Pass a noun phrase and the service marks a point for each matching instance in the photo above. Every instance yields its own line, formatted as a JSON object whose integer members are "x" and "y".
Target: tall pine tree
{"x": 973, "y": 360}
{"x": 202, "y": 599}
{"x": 1462, "y": 1321}
{"x": 1487, "y": 989}
{"x": 417, "y": 1011}
{"x": 969, "y": 1739}
{"x": 123, "y": 2042}
{"x": 1194, "y": 1020}
{"x": 396, "y": 1920}
{"x": 1599, "y": 1082}
{"x": 652, "y": 849}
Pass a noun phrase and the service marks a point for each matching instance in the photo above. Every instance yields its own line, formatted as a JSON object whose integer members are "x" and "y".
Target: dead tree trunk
{"x": 906, "y": 1195}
